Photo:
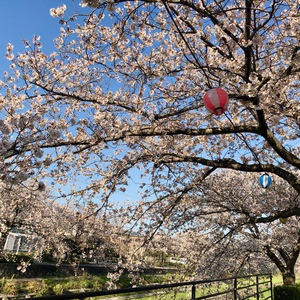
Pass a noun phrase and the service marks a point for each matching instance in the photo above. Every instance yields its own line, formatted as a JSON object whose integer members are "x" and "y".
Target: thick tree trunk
{"x": 288, "y": 277}
{"x": 286, "y": 264}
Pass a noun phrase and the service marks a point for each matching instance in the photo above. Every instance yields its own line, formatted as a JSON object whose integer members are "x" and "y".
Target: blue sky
{"x": 22, "y": 19}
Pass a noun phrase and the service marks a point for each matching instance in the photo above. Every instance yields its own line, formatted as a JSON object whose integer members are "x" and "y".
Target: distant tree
{"x": 18, "y": 207}
{"x": 229, "y": 226}
{"x": 74, "y": 235}
{"x": 238, "y": 255}
{"x": 242, "y": 254}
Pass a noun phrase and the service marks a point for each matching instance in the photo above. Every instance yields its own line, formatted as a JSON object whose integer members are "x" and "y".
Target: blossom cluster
{"x": 59, "y": 11}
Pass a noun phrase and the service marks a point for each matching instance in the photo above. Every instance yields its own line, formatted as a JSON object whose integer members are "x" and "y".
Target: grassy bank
{"x": 56, "y": 286}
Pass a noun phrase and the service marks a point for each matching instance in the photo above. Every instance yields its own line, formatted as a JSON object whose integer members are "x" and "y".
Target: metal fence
{"x": 257, "y": 286}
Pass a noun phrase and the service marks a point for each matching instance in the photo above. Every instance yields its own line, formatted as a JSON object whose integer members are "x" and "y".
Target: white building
{"x": 16, "y": 242}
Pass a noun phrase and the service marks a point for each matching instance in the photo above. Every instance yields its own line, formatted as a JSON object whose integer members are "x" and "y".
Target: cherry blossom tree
{"x": 226, "y": 227}
{"x": 73, "y": 235}
{"x": 18, "y": 206}
{"x": 123, "y": 91}
{"x": 135, "y": 86}
{"x": 274, "y": 249}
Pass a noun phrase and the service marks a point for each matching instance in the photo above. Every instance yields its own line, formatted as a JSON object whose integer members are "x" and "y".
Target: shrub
{"x": 86, "y": 283}
{"x": 93, "y": 282}
{"x": 284, "y": 292}
{"x": 124, "y": 282}
{"x": 45, "y": 290}
{"x": 58, "y": 289}
{"x": 99, "y": 284}
{"x": 33, "y": 286}
{"x": 70, "y": 284}
{"x": 10, "y": 288}
{"x": 2, "y": 283}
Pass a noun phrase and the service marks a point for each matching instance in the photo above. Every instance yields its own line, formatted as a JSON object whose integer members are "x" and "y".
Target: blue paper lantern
{"x": 265, "y": 180}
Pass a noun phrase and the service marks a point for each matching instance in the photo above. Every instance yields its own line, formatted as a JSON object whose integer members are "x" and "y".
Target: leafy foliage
{"x": 286, "y": 292}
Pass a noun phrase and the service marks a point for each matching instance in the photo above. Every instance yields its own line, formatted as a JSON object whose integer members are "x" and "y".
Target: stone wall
{"x": 49, "y": 270}
{"x": 46, "y": 270}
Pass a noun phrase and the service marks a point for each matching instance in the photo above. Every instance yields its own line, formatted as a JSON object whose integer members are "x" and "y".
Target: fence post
{"x": 235, "y": 289}
{"x": 257, "y": 287}
{"x": 193, "y": 292}
{"x": 271, "y": 287}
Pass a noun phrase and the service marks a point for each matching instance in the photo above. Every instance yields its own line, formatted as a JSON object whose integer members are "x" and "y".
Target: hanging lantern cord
{"x": 168, "y": 9}
{"x": 241, "y": 136}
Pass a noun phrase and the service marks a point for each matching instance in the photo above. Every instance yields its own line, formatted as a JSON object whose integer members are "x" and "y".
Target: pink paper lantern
{"x": 216, "y": 101}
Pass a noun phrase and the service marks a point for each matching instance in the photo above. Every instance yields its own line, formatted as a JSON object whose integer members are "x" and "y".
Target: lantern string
{"x": 186, "y": 42}
{"x": 241, "y": 136}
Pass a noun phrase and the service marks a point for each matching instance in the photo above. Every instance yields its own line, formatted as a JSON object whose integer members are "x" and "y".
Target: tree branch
{"x": 274, "y": 142}
{"x": 275, "y": 259}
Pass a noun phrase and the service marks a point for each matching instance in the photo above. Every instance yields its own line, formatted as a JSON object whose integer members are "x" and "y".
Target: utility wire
{"x": 185, "y": 41}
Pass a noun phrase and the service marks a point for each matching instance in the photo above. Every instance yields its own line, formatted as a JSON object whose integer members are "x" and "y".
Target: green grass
{"x": 185, "y": 293}
{"x": 47, "y": 286}
{"x": 87, "y": 282}
{"x": 277, "y": 279}
{"x": 201, "y": 290}
{"x": 154, "y": 295}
